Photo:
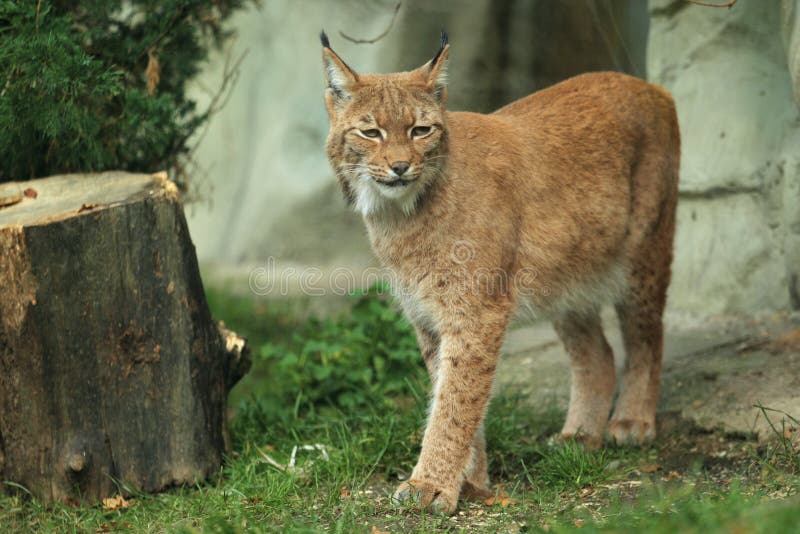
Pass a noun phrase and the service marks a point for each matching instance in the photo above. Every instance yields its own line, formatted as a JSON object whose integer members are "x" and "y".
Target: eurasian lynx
{"x": 558, "y": 202}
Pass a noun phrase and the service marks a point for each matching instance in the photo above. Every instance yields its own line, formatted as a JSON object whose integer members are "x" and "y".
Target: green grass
{"x": 686, "y": 510}
{"x": 372, "y": 440}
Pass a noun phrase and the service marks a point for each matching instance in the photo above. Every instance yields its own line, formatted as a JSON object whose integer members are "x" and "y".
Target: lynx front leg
{"x": 476, "y": 474}
{"x": 467, "y": 361}
{"x": 592, "y": 365}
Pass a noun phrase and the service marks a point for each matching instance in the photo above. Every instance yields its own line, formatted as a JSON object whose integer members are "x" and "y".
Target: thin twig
{"x": 230, "y": 75}
{"x": 382, "y": 35}
{"x": 728, "y": 4}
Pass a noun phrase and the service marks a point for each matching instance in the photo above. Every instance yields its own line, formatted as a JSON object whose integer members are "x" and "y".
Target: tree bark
{"x": 112, "y": 372}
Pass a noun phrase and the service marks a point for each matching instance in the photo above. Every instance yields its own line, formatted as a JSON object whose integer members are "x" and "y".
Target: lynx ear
{"x": 437, "y": 70}
{"x": 339, "y": 78}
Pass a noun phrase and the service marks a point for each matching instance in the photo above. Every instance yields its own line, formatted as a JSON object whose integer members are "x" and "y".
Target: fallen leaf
{"x": 671, "y": 475}
{"x": 31, "y": 193}
{"x": 344, "y": 492}
{"x": 650, "y": 468}
{"x": 376, "y": 530}
{"x": 501, "y": 499}
{"x": 578, "y": 523}
{"x": 116, "y": 502}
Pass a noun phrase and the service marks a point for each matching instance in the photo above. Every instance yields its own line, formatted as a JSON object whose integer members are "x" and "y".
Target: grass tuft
{"x": 782, "y": 454}
{"x": 568, "y": 466}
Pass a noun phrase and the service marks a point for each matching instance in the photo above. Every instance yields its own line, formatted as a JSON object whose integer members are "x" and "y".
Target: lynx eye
{"x": 420, "y": 131}
{"x": 371, "y": 133}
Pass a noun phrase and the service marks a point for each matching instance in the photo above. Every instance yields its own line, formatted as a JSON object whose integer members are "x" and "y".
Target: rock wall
{"x": 790, "y": 26}
{"x": 270, "y": 193}
{"x": 738, "y": 226}
{"x": 790, "y": 18}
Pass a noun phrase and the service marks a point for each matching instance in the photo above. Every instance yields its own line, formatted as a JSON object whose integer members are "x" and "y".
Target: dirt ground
{"x": 715, "y": 370}
{"x": 710, "y": 431}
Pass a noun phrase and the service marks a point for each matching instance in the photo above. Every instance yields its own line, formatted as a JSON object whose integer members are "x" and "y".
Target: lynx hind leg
{"x": 640, "y": 313}
{"x": 641, "y": 308}
{"x": 592, "y": 368}
{"x": 640, "y": 316}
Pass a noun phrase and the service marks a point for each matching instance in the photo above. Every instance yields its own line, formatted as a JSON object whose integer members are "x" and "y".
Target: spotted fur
{"x": 558, "y": 202}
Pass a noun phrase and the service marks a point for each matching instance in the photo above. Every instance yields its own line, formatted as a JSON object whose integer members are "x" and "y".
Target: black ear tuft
{"x": 441, "y": 47}
{"x": 324, "y": 39}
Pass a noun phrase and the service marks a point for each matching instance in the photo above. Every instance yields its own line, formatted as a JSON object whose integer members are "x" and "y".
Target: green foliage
{"x": 512, "y": 429}
{"x": 661, "y": 511}
{"x": 74, "y": 93}
{"x": 354, "y": 361}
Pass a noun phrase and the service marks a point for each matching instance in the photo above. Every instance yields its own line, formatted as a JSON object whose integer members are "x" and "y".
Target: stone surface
{"x": 728, "y": 255}
{"x": 737, "y": 237}
{"x": 790, "y": 18}
{"x": 271, "y": 195}
{"x": 714, "y": 371}
{"x": 269, "y": 189}
{"x": 727, "y": 72}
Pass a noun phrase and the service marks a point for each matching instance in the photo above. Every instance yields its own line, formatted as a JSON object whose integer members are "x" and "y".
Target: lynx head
{"x": 387, "y": 138}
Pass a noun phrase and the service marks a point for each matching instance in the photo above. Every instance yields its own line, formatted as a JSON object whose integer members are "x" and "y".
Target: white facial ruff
{"x": 372, "y": 197}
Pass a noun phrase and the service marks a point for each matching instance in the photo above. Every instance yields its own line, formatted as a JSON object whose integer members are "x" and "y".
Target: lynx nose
{"x": 399, "y": 167}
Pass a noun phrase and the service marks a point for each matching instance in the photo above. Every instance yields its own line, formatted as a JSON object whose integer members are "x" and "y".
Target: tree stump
{"x": 112, "y": 371}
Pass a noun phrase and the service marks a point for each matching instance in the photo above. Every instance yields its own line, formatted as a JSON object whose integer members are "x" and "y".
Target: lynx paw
{"x": 426, "y": 495}
{"x": 631, "y": 431}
